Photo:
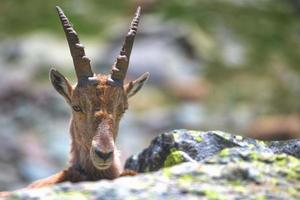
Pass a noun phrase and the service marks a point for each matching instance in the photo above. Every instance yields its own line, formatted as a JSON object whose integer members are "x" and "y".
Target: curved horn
{"x": 119, "y": 69}
{"x": 80, "y": 60}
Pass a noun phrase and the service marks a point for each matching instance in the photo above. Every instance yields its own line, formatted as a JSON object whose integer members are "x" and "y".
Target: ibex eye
{"x": 76, "y": 108}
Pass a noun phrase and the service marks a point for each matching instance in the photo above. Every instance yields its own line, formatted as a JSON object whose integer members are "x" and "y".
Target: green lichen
{"x": 173, "y": 149}
{"x": 198, "y": 139}
{"x": 212, "y": 195}
{"x": 234, "y": 182}
{"x": 167, "y": 173}
{"x": 174, "y": 158}
{"x": 292, "y": 174}
{"x": 254, "y": 156}
{"x": 260, "y": 197}
{"x": 262, "y": 143}
{"x": 224, "y": 153}
{"x": 286, "y": 161}
{"x": 293, "y": 192}
{"x": 196, "y": 135}
{"x": 287, "y": 166}
{"x": 273, "y": 181}
{"x": 186, "y": 180}
{"x": 240, "y": 188}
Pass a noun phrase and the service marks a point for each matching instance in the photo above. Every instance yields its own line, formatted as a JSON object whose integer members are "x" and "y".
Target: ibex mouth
{"x": 102, "y": 167}
{"x": 103, "y": 161}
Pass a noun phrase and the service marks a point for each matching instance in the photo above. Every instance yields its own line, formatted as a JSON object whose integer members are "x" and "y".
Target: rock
{"x": 195, "y": 145}
{"x": 228, "y": 167}
{"x": 291, "y": 147}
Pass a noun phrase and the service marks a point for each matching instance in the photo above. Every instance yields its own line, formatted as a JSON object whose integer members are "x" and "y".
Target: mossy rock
{"x": 230, "y": 174}
{"x": 197, "y": 145}
{"x": 222, "y": 166}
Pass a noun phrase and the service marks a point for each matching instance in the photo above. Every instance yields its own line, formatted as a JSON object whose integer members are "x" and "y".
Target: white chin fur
{"x": 102, "y": 167}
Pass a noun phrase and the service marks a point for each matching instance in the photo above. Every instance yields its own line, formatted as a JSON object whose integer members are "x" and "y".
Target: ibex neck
{"x": 80, "y": 158}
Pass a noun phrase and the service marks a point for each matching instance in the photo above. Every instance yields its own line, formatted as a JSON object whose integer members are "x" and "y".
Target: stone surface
{"x": 228, "y": 167}
{"x": 197, "y": 145}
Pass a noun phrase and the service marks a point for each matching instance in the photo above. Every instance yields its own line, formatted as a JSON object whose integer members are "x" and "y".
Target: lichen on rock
{"x": 175, "y": 157}
{"x": 227, "y": 167}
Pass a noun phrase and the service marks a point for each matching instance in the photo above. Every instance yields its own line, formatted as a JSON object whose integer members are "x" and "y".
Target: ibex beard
{"x": 98, "y": 102}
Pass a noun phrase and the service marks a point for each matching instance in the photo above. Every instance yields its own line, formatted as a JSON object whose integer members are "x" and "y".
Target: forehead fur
{"x": 99, "y": 86}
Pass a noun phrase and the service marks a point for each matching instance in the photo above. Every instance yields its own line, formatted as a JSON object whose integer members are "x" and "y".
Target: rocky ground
{"x": 220, "y": 166}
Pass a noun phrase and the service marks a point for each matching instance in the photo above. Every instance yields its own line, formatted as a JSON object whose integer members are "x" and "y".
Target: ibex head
{"x": 98, "y": 101}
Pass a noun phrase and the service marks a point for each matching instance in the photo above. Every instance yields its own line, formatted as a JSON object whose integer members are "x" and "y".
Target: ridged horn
{"x": 119, "y": 68}
{"x": 81, "y": 61}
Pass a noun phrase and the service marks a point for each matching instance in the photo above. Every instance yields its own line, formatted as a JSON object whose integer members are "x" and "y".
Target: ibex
{"x": 98, "y": 103}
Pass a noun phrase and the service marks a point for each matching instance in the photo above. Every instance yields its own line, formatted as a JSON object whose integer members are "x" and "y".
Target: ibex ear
{"x": 133, "y": 87}
{"x": 61, "y": 84}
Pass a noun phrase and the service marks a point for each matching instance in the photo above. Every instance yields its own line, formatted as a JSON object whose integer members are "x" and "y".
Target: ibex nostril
{"x": 103, "y": 156}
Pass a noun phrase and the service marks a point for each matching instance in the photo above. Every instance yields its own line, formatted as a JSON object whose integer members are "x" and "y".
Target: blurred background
{"x": 231, "y": 65}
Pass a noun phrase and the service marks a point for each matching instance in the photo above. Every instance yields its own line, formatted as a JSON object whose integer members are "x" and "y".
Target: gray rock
{"x": 291, "y": 147}
{"x": 197, "y": 145}
{"x": 230, "y": 167}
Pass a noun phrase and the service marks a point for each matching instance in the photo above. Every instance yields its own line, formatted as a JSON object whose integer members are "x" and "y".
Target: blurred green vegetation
{"x": 270, "y": 29}
{"x": 267, "y": 31}
{"x": 20, "y": 17}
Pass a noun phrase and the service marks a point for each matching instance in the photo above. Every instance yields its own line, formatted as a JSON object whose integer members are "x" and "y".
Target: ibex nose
{"x": 103, "y": 156}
